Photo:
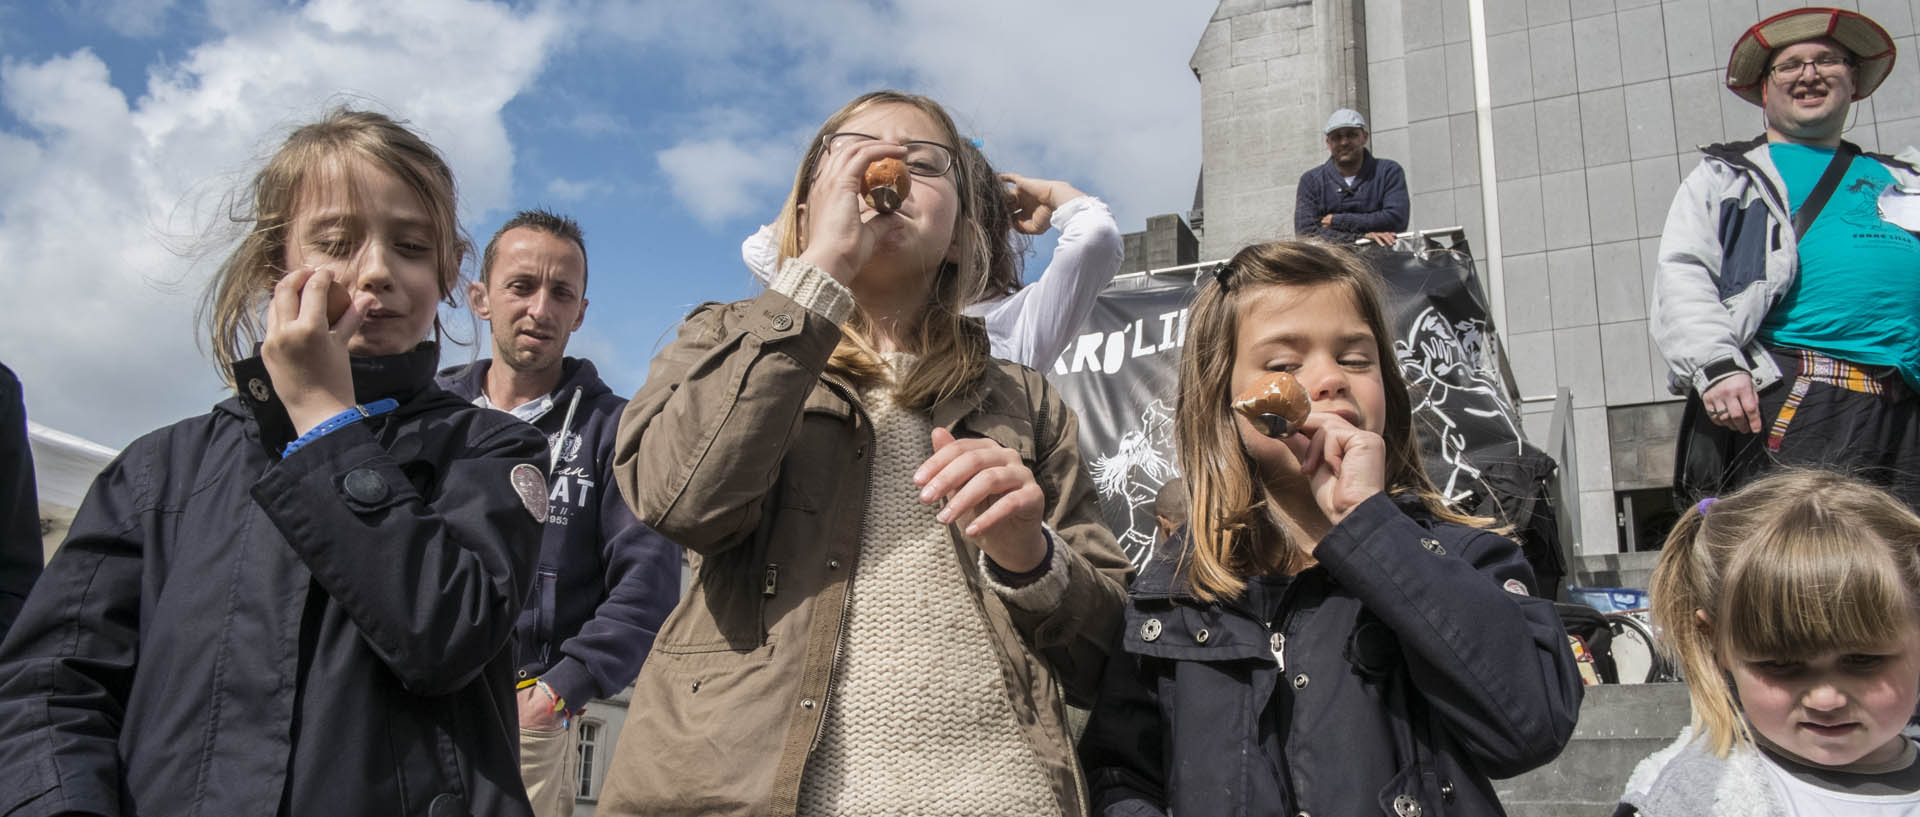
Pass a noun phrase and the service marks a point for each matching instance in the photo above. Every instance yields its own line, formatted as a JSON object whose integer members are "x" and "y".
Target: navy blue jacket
{"x": 1412, "y": 669}
{"x": 1376, "y": 203}
{"x": 605, "y": 580}
{"x": 227, "y": 632}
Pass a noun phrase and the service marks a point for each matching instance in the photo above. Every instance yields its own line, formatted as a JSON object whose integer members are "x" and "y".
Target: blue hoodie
{"x": 605, "y": 581}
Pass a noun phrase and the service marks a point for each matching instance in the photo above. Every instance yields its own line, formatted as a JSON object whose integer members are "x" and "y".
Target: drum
{"x": 1634, "y": 657}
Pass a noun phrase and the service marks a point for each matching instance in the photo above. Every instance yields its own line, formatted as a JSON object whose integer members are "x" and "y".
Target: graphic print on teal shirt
{"x": 1859, "y": 280}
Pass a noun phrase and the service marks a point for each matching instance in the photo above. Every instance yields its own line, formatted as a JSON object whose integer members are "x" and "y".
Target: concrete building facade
{"x": 1596, "y": 111}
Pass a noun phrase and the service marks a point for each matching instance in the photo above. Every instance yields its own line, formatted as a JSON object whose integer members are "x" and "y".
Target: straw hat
{"x": 1871, "y": 47}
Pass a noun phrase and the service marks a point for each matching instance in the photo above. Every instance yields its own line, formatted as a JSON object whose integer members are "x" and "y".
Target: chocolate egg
{"x": 338, "y": 299}
{"x": 1276, "y": 404}
{"x": 885, "y": 185}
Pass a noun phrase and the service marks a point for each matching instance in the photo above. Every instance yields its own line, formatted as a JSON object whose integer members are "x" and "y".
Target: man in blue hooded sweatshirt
{"x": 605, "y": 580}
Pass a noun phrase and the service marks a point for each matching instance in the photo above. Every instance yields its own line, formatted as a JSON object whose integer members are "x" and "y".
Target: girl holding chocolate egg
{"x": 899, "y": 564}
{"x": 299, "y": 603}
{"x": 1325, "y": 636}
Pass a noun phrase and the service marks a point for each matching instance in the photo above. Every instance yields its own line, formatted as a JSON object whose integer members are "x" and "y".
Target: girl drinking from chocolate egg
{"x": 299, "y": 603}
{"x": 1325, "y": 636}
{"x": 899, "y": 563}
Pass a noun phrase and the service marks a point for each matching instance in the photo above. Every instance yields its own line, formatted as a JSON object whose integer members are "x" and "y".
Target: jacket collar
{"x": 469, "y": 380}
{"x": 1367, "y": 165}
{"x": 400, "y": 376}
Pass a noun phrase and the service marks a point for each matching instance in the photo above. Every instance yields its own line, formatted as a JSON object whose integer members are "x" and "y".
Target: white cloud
{"x": 724, "y": 178}
{"x": 1096, "y": 93}
{"x": 94, "y": 188}
{"x": 566, "y": 189}
{"x": 128, "y": 18}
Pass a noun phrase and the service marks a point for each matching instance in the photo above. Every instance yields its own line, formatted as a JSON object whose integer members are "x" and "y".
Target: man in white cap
{"x": 1353, "y": 196}
{"x": 1787, "y": 300}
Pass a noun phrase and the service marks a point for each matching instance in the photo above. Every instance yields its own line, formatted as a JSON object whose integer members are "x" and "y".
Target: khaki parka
{"x": 742, "y": 449}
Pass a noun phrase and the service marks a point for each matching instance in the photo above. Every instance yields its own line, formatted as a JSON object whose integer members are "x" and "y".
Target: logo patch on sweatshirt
{"x": 564, "y": 448}
{"x": 531, "y": 485}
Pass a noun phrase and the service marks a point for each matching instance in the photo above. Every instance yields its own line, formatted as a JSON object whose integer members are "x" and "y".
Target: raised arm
{"x": 434, "y": 583}
{"x": 701, "y": 443}
{"x": 1035, "y": 324}
{"x": 1490, "y": 661}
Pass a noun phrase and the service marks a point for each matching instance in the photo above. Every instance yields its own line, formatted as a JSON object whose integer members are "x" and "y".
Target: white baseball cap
{"x": 1345, "y": 118}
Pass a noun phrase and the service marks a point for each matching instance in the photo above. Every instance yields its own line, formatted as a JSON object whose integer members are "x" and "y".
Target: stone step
{"x": 1557, "y": 808}
{"x": 1619, "y": 726}
{"x": 1590, "y": 770}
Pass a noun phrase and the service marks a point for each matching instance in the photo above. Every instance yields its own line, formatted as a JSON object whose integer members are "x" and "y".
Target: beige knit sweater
{"x": 919, "y": 722}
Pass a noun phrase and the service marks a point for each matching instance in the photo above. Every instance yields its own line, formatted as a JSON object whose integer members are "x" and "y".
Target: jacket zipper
{"x": 846, "y": 596}
{"x": 560, "y": 442}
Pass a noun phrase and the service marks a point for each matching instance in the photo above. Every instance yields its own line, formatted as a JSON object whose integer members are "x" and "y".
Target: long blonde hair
{"x": 1798, "y": 563}
{"x": 952, "y": 348}
{"x": 1232, "y": 522}
{"x": 231, "y": 309}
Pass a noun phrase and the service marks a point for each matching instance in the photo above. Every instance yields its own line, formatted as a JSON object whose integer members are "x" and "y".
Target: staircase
{"x": 1614, "y": 569}
{"x": 1620, "y": 724}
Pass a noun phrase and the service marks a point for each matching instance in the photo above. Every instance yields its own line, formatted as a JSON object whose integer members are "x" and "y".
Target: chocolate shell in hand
{"x": 338, "y": 299}
{"x": 885, "y": 185}
{"x": 1276, "y": 404}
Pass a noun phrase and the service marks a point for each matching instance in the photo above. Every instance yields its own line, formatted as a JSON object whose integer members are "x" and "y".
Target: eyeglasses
{"x": 923, "y": 158}
{"x": 1825, "y": 65}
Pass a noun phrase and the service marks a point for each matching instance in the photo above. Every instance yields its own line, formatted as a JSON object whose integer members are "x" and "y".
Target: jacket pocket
{"x": 723, "y": 613}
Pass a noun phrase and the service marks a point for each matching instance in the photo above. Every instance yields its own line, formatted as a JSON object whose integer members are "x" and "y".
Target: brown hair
{"x": 1232, "y": 522}
{"x": 951, "y": 347}
{"x": 540, "y": 220}
{"x": 1004, "y": 264}
{"x": 231, "y": 308}
{"x": 1798, "y": 563}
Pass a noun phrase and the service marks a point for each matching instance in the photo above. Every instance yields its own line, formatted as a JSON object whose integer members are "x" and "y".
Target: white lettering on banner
{"x": 1106, "y": 352}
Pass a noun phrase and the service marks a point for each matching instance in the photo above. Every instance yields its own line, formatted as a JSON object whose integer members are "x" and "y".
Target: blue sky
{"x": 670, "y": 130}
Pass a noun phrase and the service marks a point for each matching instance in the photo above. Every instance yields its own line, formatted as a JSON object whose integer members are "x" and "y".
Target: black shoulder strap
{"x": 1829, "y": 181}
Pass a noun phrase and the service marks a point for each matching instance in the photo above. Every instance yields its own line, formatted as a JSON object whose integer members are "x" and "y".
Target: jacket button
{"x": 806, "y": 703}
{"x": 1433, "y": 546}
{"x": 1446, "y": 790}
{"x": 523, "y": 675}
{"x": 1405, "y": 806}
{"x": 258, "y": 388}
{"x": 446, "y": 805}
{"x": 833, "y": 564}
{"x": 1300, "y": 681}
{"x": 365, "y": 485}
{"x": 782, "y": 322}
{"x": 1150, "y": 629}
{"x": 1201, "y": 635}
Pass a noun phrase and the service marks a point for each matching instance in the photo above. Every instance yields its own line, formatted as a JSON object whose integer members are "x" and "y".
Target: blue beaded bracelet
{"x": 341, "y": 420}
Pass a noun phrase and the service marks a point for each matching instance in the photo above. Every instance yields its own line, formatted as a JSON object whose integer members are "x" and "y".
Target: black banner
{"x": 1120, "y": 373}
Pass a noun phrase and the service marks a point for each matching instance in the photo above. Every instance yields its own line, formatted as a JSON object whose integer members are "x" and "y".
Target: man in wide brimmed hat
{"x": 1787, "y": 300}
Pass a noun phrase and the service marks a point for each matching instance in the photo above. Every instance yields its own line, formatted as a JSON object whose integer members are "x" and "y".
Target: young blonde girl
{"x": 1325, "y": 636}
{"x": 299, "y": 603}
{"x": 1794, "y": 608}
{"x": 899, "y": 562}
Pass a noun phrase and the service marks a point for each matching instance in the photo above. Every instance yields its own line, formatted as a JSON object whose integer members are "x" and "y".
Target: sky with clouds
{"x": 670, "y": 130}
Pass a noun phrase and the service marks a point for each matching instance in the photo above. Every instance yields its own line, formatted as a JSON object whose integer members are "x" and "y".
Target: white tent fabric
{"x": 64, "y": 467}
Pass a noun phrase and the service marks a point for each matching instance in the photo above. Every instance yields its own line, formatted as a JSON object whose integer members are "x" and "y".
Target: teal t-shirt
{"x": 1857, "y": 297}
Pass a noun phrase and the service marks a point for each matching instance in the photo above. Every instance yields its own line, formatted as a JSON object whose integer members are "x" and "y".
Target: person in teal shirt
{"x": 1796, "y": 341}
